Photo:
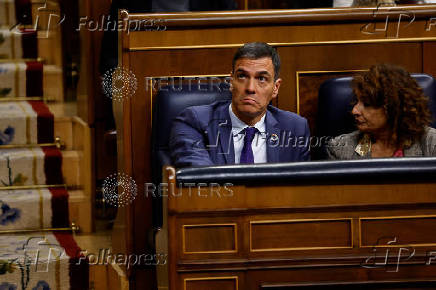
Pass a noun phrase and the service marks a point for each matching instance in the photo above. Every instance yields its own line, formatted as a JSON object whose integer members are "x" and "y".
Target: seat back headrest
{"x": 169, "y": 103}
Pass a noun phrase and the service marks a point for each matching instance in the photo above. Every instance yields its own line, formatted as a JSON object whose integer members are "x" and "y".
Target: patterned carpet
{"x": 33, "y": 197}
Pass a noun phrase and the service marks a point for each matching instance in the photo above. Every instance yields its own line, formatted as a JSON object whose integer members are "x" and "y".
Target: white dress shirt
{"x": 259, "y": 142}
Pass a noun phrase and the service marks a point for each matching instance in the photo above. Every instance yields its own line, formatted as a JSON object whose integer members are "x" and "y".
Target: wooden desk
{"x": 289, "y": 236}
{"x": 314, "y": 44}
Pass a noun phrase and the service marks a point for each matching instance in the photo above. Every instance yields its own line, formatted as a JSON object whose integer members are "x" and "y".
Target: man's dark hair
{"x": 256, "y": 50}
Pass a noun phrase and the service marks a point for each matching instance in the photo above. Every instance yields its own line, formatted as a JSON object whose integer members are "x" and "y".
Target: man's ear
{"x": 276, "y": 87}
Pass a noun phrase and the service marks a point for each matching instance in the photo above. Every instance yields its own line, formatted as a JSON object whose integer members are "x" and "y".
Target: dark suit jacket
{"x": 202, "y": 136}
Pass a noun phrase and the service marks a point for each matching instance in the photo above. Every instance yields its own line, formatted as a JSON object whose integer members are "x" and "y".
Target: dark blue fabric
{"x": 169, "y": 104}
{"x": 202, "y": 136}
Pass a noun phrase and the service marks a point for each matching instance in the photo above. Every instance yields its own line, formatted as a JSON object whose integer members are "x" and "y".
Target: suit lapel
{"x": 273, "y": 138}
{"x": 224, "y": 129}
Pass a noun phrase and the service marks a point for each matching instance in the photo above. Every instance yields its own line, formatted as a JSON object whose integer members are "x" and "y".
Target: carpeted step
{"x": 29, "y": 122}
{"x": 42, "y": 261}
{"x": 31, "y": 166}
{"x": 34, "y": 209}
{"x": 13, "y": 12}
{"x": 31, "y": 79}
{"x": 40, "y": 166}
{"x": 20, "y": 79}
{"x": 19, "y": 45}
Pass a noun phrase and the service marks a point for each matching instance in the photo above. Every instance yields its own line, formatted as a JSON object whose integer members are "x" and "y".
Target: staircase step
{"x": 23, "y": 123}
{"x": 50, "y": 47}
{"x": 28, "y": 167}
{"x": 18, "y": 124}
{"x": 46, "y": 40}
{"x": 33, "y": 209}
{"x": 71, "y": 168}
{"x": 18, "y": 45}
{"x": 32, "y": 166}
{"x": 53, "y": 83}
{"x": 63, "y": 128}
{"x": 21, "y": 79}
{"x": 73, "y": 132}
{"x": 80, "y": 210}
{"x": 42, "y": 260}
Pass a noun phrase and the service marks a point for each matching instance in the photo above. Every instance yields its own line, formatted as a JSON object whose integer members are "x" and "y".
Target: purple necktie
{"x": 247, "y": 152}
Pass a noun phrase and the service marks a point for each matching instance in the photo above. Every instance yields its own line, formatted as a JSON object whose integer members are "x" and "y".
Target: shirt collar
{"x": 238, "y": 125}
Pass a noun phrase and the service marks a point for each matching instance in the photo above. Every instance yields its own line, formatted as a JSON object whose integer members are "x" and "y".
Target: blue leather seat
{"x": 169, "y": 103}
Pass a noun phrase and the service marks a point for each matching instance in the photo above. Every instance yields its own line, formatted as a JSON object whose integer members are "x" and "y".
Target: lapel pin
{"x": 274, "y": 137}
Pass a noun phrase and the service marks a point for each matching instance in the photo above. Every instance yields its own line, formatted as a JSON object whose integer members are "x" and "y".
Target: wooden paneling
{"x": 263, "y": 197}
{"x": 279, "y": 235}
{"x": 352, "y": 57}
{"x": 211, "y": 283}
{"x": 308, "y": 84}
{"x": 403, "y": 230}
{"x": 210, "y": 238}
{"x": 369, "y": 15}
{"x": 429, "y": 63}
{"x": 293, "y": 244}
{"x": 312, "y": 40}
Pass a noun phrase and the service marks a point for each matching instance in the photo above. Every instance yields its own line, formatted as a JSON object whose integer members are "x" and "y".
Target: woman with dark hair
{"x": 392, "y": 118}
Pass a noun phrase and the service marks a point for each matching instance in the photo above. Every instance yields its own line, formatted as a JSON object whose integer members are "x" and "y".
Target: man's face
{"x": 253, "y": 87}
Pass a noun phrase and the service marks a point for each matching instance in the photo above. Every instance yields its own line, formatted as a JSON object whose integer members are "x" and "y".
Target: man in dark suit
{"x": 246, "y": 129}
